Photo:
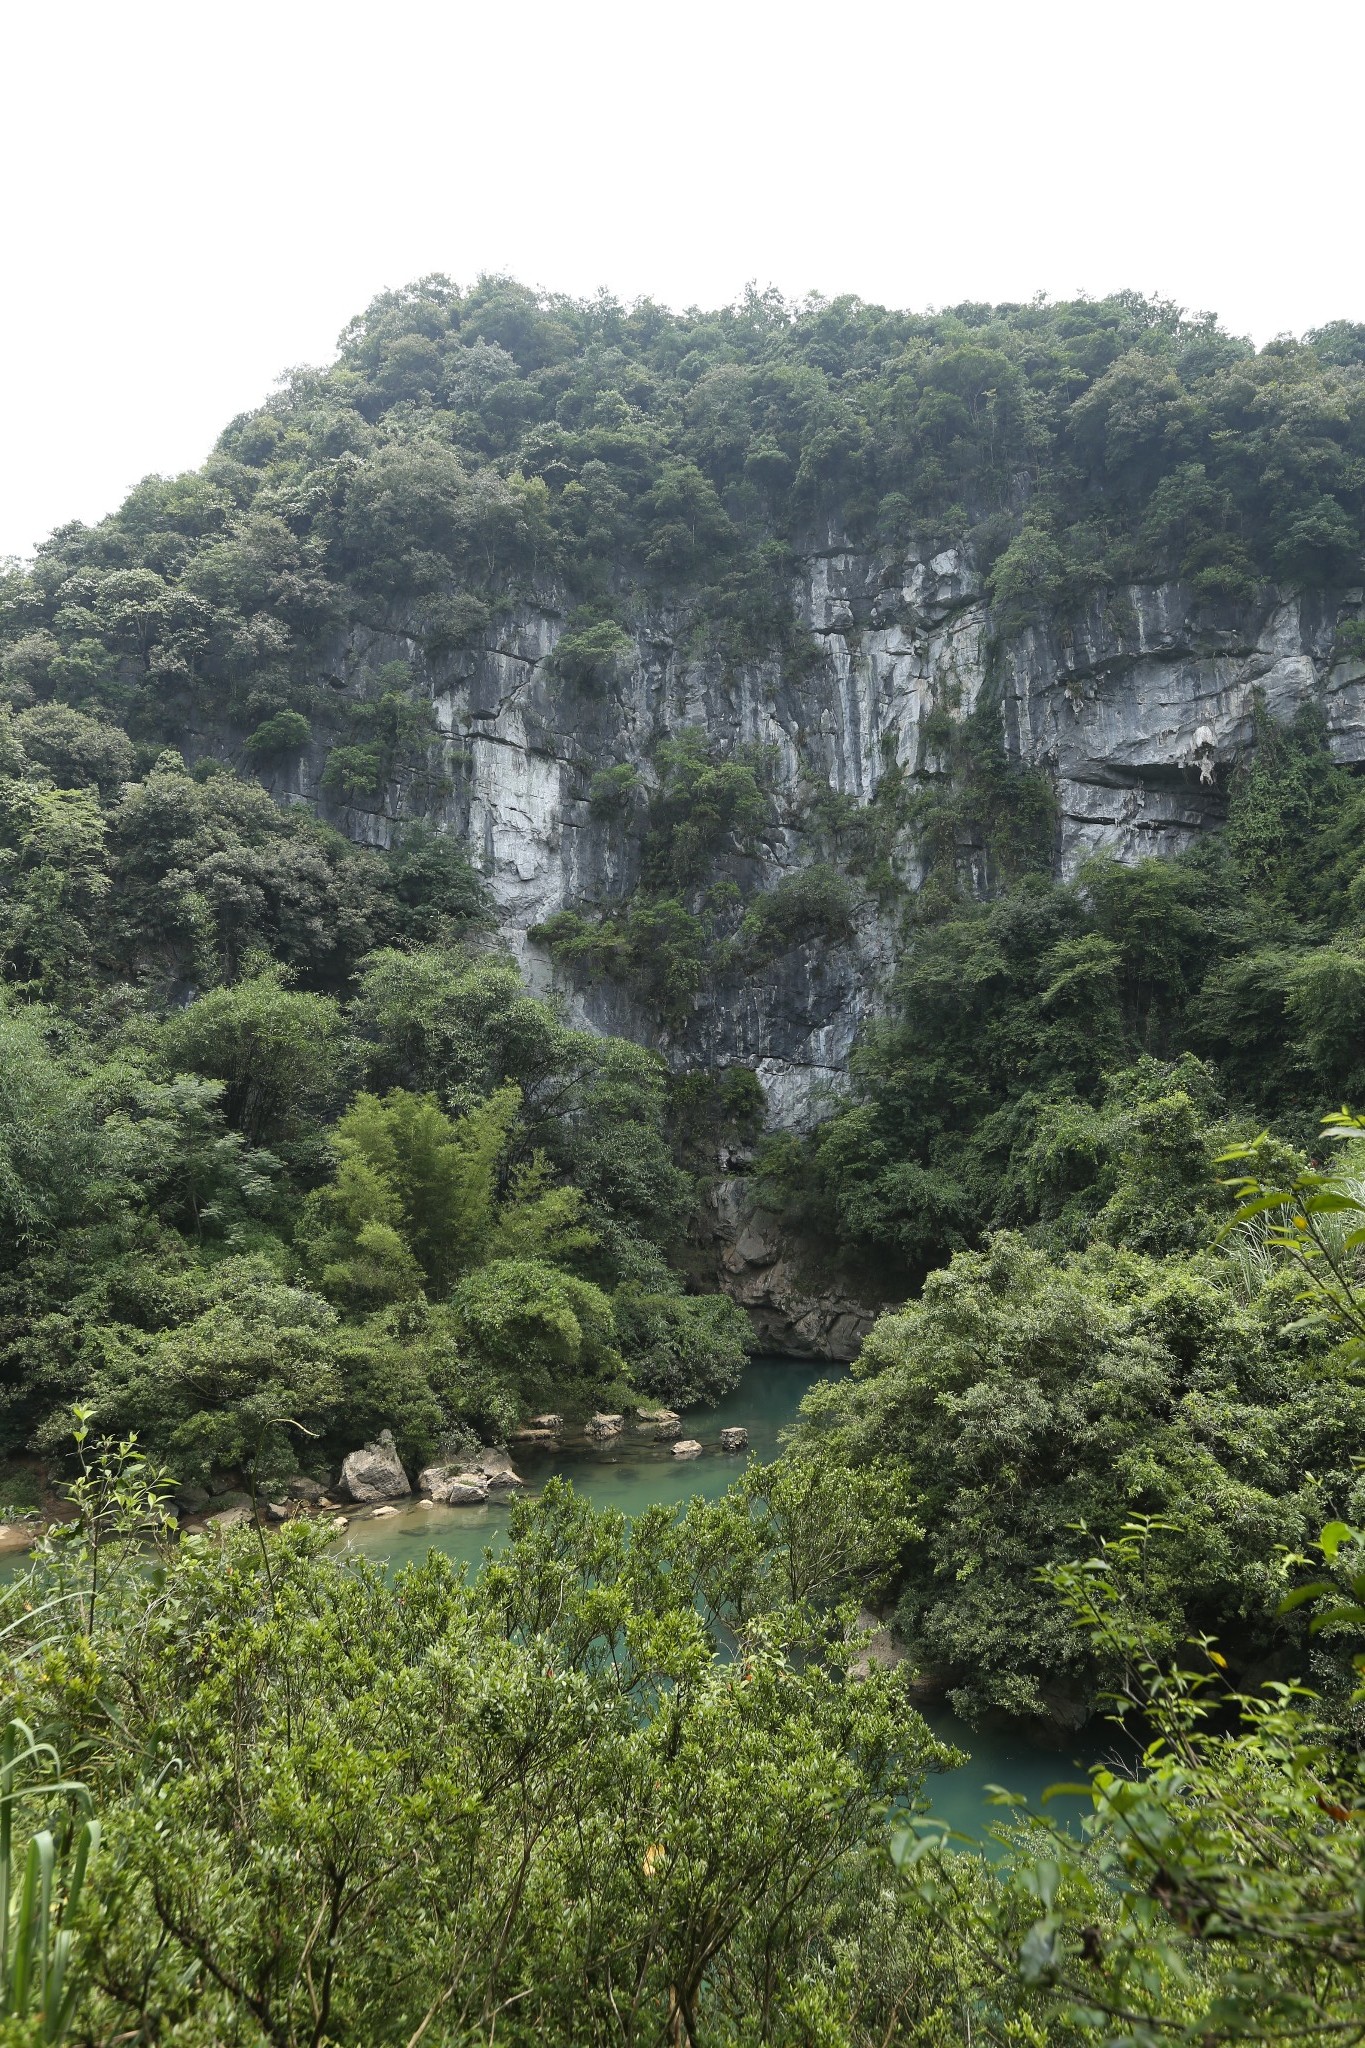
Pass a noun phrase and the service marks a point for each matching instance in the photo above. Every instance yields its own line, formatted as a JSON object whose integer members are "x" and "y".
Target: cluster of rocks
{"x": 374, "y": 1476}
{"x": 730, "y": 1440}
{"x": 467, "y": 1481}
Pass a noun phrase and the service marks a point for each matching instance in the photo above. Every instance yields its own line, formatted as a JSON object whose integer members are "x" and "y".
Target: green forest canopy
{"x": 282, "y": 1135}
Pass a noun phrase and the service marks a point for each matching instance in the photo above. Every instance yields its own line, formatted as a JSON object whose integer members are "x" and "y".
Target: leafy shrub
{"x": 611, "y": 789}
{"x": 686, "y": 1349}
{"x": 590, "y": 653}
{"x": 285, "y": 732}
{"x": 814, "y": 903}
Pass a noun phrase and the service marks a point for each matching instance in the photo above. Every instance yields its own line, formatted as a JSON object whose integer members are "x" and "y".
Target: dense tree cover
{"x": 468, "y": 445}
{"x": 1044, "y": 1043}
{"x": 543, "y": 1806}
{"x": 1022, "y": 1399}
{"x": 424, "y": 1207}
{"x": 629, "y": 1785}
{"x": 1063, "y": 1070}
{"x": 1214, "y": 1895}
{"x": 466, "y": 439}
{"x": 171, "y": 880}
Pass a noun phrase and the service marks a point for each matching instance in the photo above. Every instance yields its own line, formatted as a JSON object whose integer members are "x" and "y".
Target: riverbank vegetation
{"x": 643, "y": 1783}
{"x": 282, "y": 1135}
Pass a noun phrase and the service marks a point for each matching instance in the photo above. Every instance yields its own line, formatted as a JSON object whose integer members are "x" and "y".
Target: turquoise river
{"x": 630, "y": 1473}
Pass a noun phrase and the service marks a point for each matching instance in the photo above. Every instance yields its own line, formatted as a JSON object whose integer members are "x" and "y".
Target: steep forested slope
{"x": 202, "y": 970}
{"x": 790, "y": 680}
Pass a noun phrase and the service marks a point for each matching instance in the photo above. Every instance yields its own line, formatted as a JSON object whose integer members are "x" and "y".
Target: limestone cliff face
{"x": 1137, "y": 709}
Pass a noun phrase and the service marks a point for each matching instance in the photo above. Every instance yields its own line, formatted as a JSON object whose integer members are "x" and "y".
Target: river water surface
{"x": 631, "y": 1473}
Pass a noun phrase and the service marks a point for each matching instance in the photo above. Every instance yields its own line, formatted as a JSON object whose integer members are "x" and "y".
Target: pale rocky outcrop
{"x": 451, "y": 1488}
{"x": 687, "y": 1447}
{"x": 1137, "y": 708}
{"x": 374, "y": 1472}
{"x": 465, "y": 1481}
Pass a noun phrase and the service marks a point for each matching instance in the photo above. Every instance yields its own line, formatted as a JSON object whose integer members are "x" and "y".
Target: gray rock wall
{"x": 1138, "y": 709}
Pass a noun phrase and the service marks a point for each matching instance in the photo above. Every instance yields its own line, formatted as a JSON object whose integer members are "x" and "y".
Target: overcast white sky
{"x": 198, "y": 195}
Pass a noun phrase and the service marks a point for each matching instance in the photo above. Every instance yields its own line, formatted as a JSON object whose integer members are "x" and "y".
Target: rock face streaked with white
{"x": 1137, "y": 708}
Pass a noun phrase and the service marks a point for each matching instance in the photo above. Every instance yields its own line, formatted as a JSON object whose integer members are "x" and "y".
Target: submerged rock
{"x": 375, "y": 1472}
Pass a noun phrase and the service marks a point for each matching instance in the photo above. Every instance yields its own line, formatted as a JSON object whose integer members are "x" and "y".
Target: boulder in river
{"x": 547, "y": 1422}
{"x": 454, "y": 1488}
{"x": 687, "y": 1447}
{"x": 375, "y": 1472}
{"x": 301, "y": 1487}
{"x": 734, "y": 1439}
{"x": 666, "y": 1432}
{"x": 465, "y": 1480}
{"x": 606, "y": 1425}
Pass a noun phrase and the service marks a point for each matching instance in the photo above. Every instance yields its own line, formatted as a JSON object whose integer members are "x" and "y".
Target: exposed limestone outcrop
{"x": 374, "y": 1472}
{"x": 766, "y": 1276}
{"x": 465, "y": 1481}
{"x": 1137, "y": 708}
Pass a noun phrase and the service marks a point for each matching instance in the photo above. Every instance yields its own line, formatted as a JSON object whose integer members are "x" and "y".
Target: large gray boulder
{"x": 467, "y": 1480}
{"x": 452, "y": 1488}
{"x": 375, "y": 1472}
